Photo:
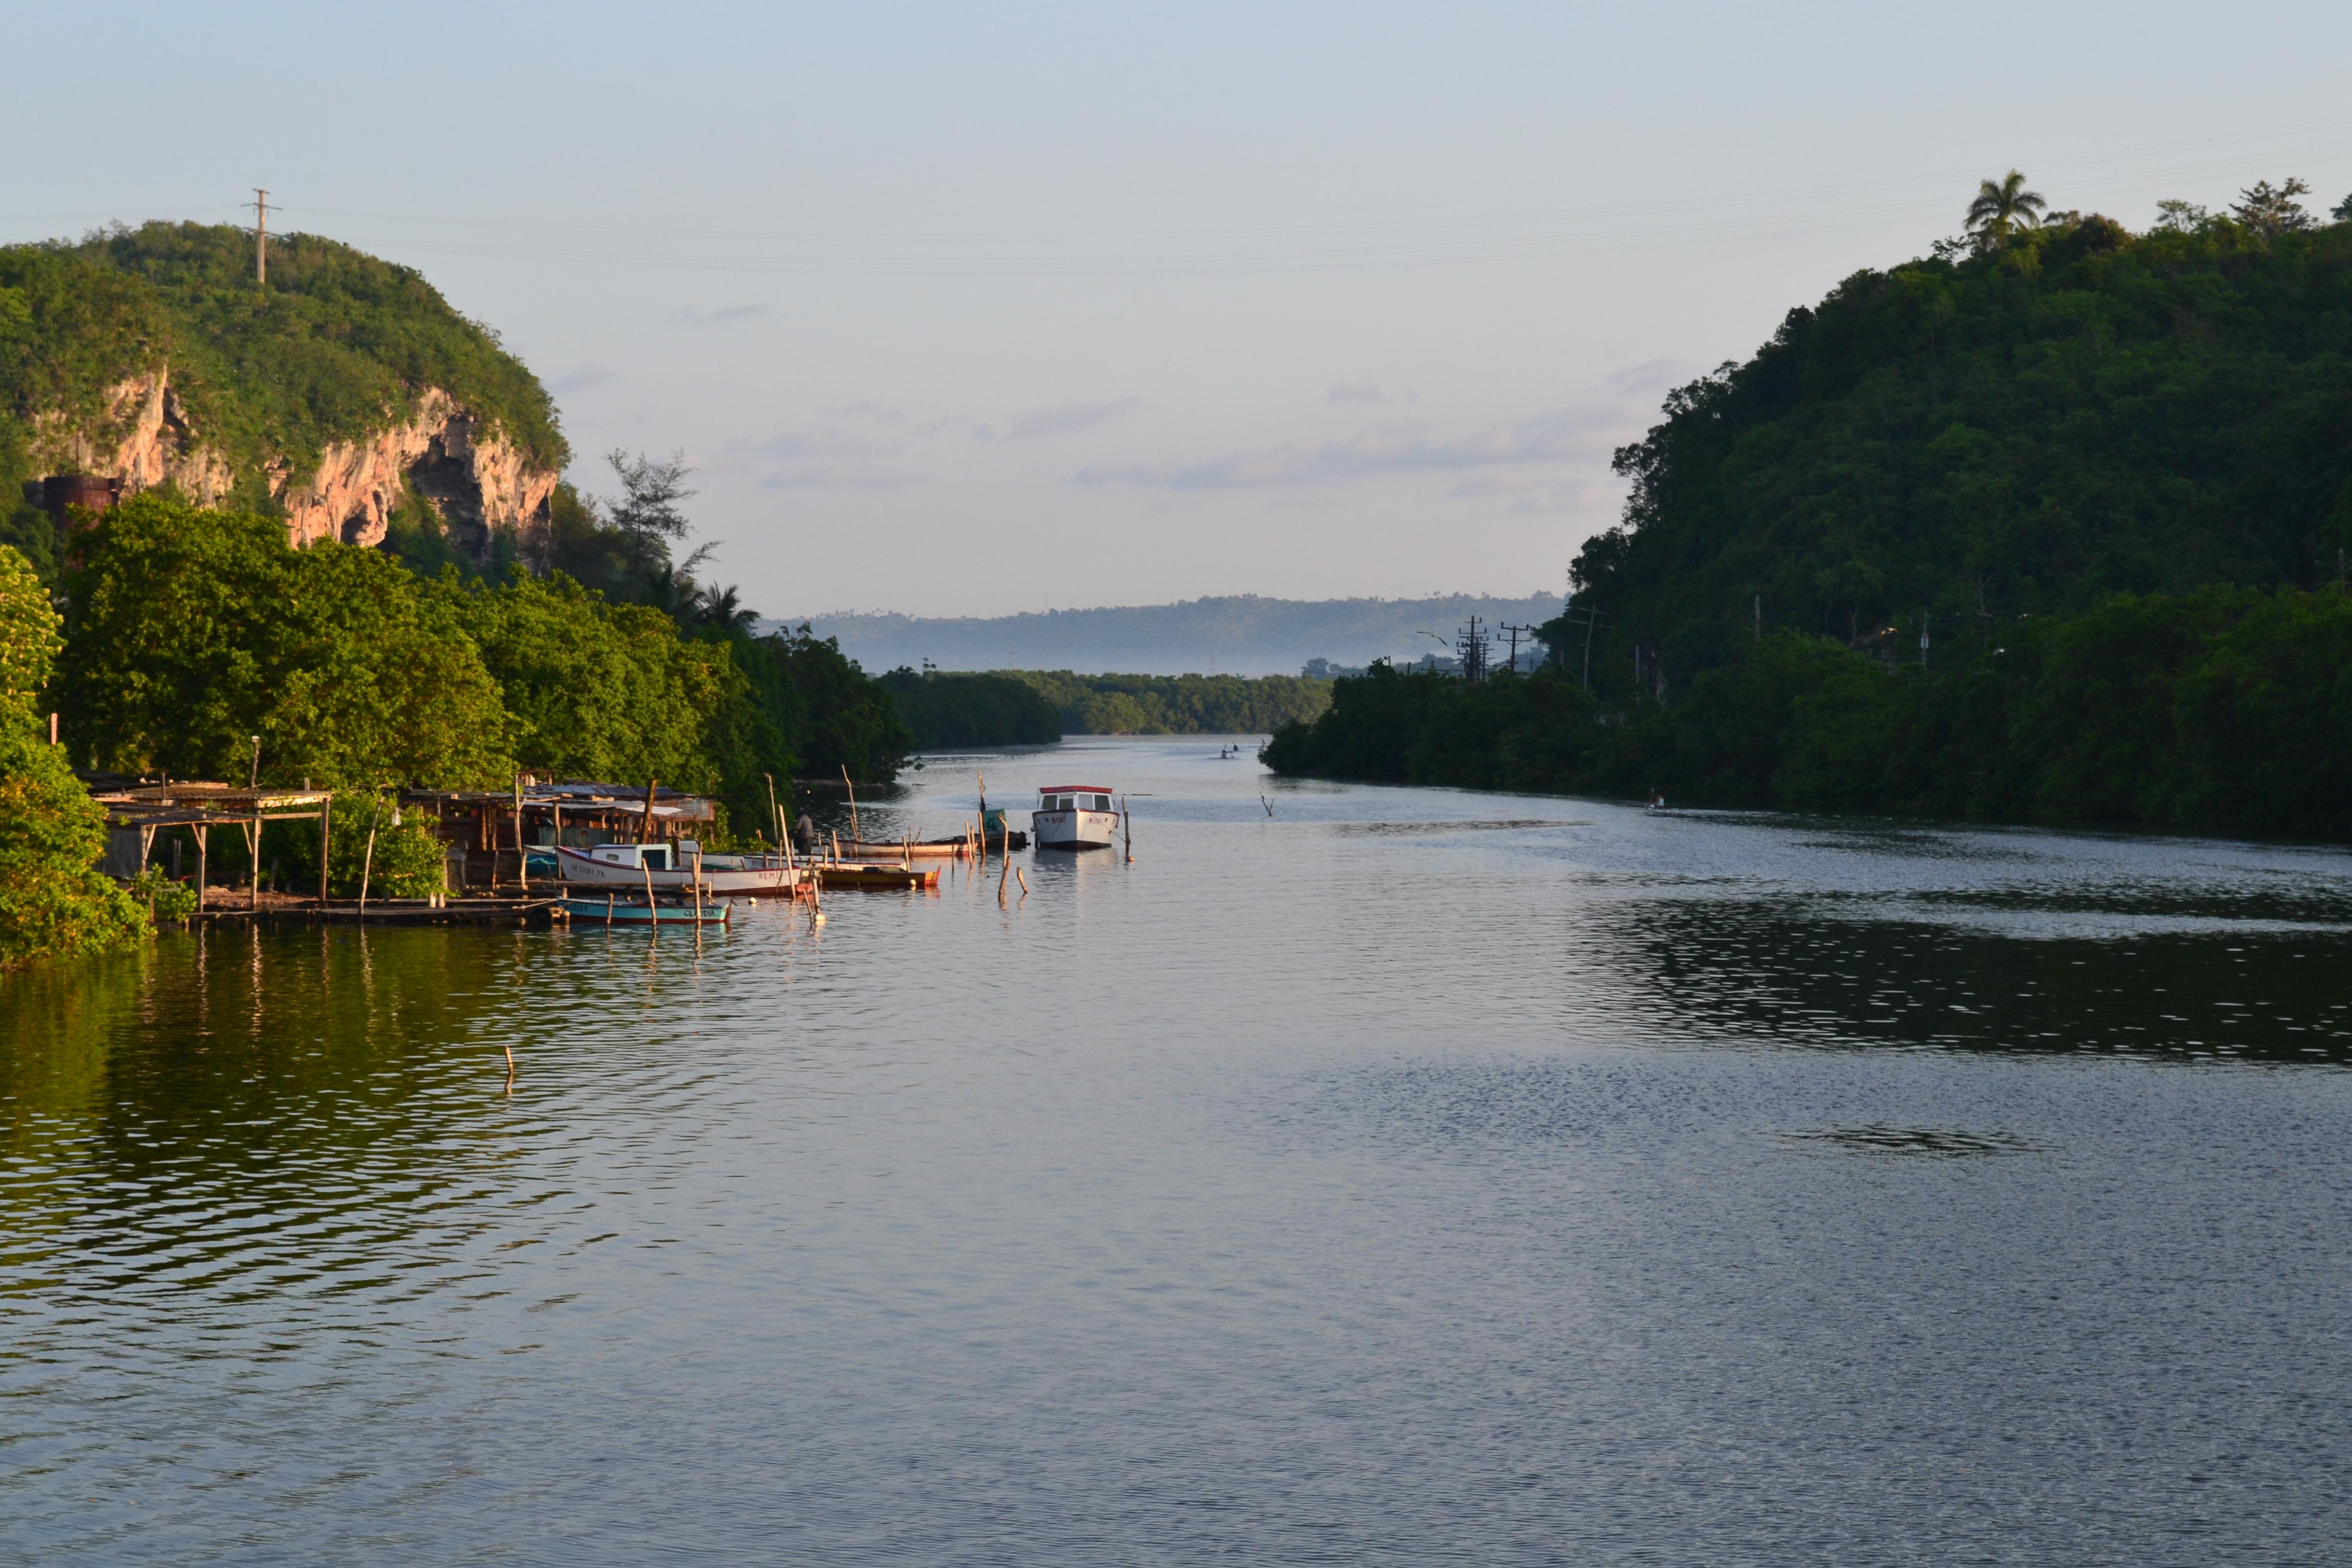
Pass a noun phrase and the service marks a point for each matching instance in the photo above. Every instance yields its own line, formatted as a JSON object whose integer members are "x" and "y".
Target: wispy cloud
{"x": 880, "y": 413}
{"x": 718, "y": 316}
{"x": 820, "y": 441}
{"x": 584, "y": 379}
{"x": 1367, "y": 390}
{"x": 843, "y": 476}
{"x": 1648, "y": 379}
{"x": 1401, "y": 446}
{"x": 1067, "y": 419}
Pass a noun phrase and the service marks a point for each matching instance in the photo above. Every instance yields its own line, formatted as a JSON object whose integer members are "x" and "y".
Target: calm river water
{"x": 1404, "y": 1176}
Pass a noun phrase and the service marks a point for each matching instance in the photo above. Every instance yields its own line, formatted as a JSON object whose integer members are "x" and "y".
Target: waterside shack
{"x": 137, "y": 812}
{"x": 489, "y": 832}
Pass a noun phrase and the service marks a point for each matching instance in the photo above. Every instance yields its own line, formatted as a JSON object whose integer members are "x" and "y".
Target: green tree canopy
{"x": 2086, "y": 412}
{"x": 597, "y": 691}
{"x": 192, "y": 631}
{"x": 53, "y": 900}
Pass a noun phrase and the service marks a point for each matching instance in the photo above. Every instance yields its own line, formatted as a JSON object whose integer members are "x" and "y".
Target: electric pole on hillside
{"x": 260, "y": 205}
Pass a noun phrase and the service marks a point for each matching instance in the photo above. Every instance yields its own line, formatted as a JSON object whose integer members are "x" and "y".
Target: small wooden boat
{"x": 918, "y": 849}
{"x": 852, "y": 874}
{"x": 614, "y": 910}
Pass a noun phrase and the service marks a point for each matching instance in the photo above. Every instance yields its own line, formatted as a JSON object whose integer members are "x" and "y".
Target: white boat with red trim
{"x": 1074, "y": 817}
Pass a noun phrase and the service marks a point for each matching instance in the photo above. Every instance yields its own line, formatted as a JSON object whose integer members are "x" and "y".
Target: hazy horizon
{"x": 1061, "y": 306}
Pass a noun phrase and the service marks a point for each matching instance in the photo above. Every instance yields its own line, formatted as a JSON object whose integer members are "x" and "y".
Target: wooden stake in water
{"x": 523, "y": 855}
{"x": 856, "y": 835}
{"x": 367, "y": 861}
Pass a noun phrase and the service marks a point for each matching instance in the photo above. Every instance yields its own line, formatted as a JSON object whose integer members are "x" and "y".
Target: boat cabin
{"x": 1074, "y": 797}
{"x": 673, "y": 856}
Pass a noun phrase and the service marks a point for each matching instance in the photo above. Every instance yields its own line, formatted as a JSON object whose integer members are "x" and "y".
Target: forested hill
{"x": 153, "y": 356}
{"x": 2025, "y": 430}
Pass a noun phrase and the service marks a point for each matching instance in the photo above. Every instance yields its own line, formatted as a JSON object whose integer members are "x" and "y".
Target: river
{"x": 1359, "y": 1175}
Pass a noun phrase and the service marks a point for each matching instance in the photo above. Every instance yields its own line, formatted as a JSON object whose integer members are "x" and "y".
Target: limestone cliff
{"x": 143, "y": 440}
{"x": 476, "y": 481}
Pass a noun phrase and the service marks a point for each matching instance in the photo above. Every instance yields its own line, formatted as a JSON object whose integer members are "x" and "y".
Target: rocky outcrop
{"x": 476, "y": 481}
{"x": 143, "y": 440}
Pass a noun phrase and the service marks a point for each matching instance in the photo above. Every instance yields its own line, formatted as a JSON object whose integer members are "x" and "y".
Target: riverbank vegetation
{"x": 2050, "y": 526}
{"x": 53, "y": 900}
{"x": 191, "y": 632}
{"x": 2220, "y": 709}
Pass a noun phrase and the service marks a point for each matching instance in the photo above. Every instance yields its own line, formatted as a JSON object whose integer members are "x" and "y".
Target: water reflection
{"x": 1409, "y": 1175}
{"x": 1796, "y": 973}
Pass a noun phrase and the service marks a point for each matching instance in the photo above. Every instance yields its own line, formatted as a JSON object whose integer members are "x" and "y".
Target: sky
{"x": 972, "y": 310}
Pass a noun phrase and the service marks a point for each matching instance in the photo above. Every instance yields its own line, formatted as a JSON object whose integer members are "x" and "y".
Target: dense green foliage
{"x": 2223, "y": 709}
{"x": 2112, "y": 474}
{"x": 191, "y": 632}
{"x": 597, "y": 691}
{"x": 828, "y": 714}
{"x": 959, "y": 712}
{"x": 1177, "y": 704}
{"x": 53, "y": 899}
{"x": 403, "y": 862}
{"x": 2072, "y": 412}
{"x": 332, "y": 343}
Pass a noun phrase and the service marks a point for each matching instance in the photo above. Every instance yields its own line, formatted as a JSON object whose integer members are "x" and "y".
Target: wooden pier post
{"x": 326, "y": 809}
{"x": 367, "y": 860}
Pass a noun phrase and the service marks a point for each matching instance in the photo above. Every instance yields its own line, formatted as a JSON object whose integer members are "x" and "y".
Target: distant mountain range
{"x": 1243, "y": 635}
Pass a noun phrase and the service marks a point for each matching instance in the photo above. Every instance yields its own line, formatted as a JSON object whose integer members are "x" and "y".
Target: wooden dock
{"x": 290, "y": 910}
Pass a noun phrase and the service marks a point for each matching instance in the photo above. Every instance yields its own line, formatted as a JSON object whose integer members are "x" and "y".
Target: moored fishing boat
{"x": 1074, "y": 817}
{"x": 675, "y": 866}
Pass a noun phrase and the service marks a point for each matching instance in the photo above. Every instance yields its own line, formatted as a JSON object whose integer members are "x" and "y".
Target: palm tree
{"x": 2000, "y": 209}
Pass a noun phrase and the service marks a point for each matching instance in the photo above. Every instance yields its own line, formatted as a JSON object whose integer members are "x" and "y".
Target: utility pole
{"x": 1472, "y": 645}
{"x": 260, "y": 205}
{"x": 1592, "y": 620}
{"x": 1515, "y": 634}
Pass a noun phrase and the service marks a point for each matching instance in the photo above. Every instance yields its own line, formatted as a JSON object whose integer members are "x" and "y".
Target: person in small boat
{"x": 805, "y": 831}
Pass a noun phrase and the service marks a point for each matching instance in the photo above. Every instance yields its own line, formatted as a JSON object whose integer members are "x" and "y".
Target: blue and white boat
{"x": 672, "y": 867}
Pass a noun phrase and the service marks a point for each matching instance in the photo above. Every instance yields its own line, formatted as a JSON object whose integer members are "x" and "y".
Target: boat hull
{"x": 613, "y": 911}
{"x": 1074, "y": 829}
{"x": 578, "y": 867}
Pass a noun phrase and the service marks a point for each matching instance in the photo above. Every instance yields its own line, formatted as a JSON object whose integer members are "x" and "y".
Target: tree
{"x": 2271, "y": 213}
{"x": 2342, "y": 211}
{"x": 53, "y": 899}
{"x": 2176, "y": 217}
{"x": 2004, "y": 208}
{"x": 192, "y": 631}
{"x": 597, "y": 691}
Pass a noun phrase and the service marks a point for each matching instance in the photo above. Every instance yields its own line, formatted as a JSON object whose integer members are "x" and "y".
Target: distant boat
{"x": 1074, "y": 817}
{"x": 672, "y": 866}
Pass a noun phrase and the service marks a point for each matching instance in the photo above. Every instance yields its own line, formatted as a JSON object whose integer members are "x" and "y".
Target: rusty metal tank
{"x": 91, "y": 492}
